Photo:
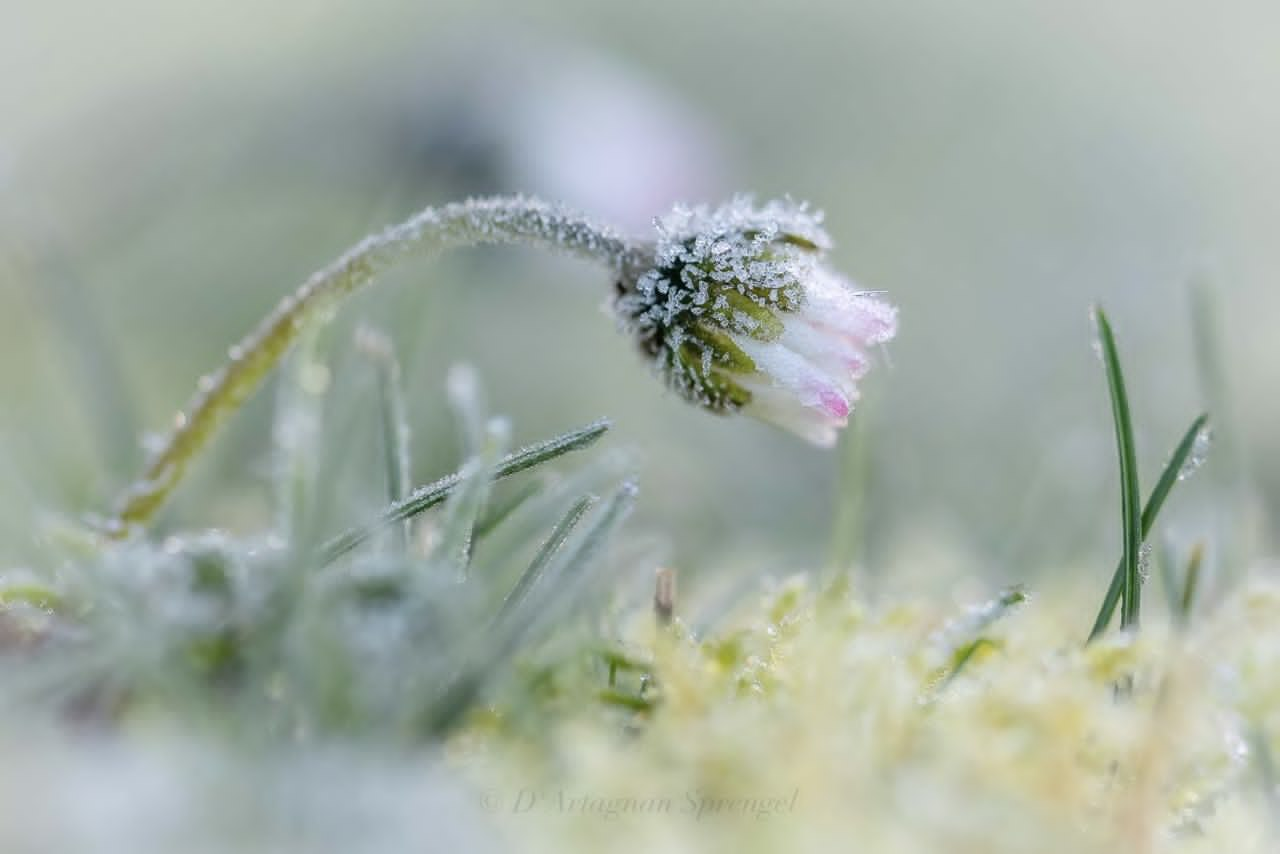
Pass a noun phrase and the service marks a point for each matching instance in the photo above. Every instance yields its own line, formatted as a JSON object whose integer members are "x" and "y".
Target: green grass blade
{"x": 540, "y": 562}
{"x": 501, "y": 508}
{"x": 432, "y": 494}
{"x": 966, "y": 634}
{"x": 394, "y": 423}
{"x": 470, "y": 498}
{"x": 1191, "y": 583}
{"x": 1155, "y": 502}
{"x": 965, "y": 653}
{"x": 296, "y": 434}
{"x": 484, "y": 440}
{"x": 1130, "y": 513}
{"x": 549, "y": 602}
{"x": 577, "y": 559}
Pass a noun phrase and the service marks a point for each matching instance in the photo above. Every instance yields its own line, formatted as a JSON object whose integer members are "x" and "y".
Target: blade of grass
{"x": 573, "y": 562}
{"x": 966, "y": 634}
{"x": 540, "y": 562}
{"x": 1191, "y": 582}
{"x": 1155, "y": 502}
{"x": 296, "y": 430}
{"x": 963, "y": 655}
{"x": 549, "y": 602}
{"x": 501, "y": 508}
{"x": 471, "y": 496}
{"x": 484, "y": 440}
{"x": 432, "y": 494}
{"x": 1130, "y": 514}
{"x": 393, "y": 421}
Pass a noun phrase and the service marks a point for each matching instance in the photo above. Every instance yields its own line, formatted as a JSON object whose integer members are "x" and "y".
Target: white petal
{"x": 831, "y": 302}
{"x": 807, "y": 382}
{"x": 779, "y": 407}
{"x": 836, "y": 354}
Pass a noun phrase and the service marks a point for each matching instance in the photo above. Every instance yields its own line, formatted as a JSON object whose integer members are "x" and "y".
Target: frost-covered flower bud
{"x": 738, "y": 313}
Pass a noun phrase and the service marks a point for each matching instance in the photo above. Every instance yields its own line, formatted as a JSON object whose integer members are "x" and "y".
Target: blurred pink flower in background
{"x": 560, "y": 122}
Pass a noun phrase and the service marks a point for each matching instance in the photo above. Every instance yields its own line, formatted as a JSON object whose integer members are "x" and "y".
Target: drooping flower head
{"x": 738, "y": 313}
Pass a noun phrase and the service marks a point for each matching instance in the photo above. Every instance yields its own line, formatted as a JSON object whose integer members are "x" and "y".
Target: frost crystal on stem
{"x": 738, "y": 313}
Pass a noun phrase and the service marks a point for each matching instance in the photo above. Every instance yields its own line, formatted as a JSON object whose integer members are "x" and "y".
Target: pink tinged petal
{"x": 843, "y": 360}
{"x": 779, "y": 407}
{"x": 832, "y": 302}
{"x": 833, "y": 403}
{"x": 786, "y": 368}
{"x": 795, "y": 393}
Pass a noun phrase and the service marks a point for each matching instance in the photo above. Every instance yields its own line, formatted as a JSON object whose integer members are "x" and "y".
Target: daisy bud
{"x": 738, "y": 313}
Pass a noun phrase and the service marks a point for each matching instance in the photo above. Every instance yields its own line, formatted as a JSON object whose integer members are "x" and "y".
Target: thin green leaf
{"x": 471, "y": 496}
{"x": 30, "y": 593}
{"x": 573, "y": 562}
{"x": 396, "y": 450}
{"x": 1191, "y": 582}
{"x": 965, "y": 636}
{"x": 547, "y": 603}
{"x": 1130, "y": 513}
{"x": 538, "y": 566}
{"x": 432, "y": 494}
{"x": 484, "y": 440}
{"x": 965, "y": 653}
{"x": 1149, "y": 513}
{"x": 621, "y": 661}
{"x": 296, "y": 432}
{"x": 611, "y": 697}
{"x": 501, "y": 508}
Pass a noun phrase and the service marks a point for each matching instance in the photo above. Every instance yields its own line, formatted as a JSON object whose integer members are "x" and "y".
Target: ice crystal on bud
{"x": 738, "y": 312}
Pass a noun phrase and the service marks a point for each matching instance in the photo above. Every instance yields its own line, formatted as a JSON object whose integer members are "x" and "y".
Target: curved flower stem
{"x": 471, "y": 223}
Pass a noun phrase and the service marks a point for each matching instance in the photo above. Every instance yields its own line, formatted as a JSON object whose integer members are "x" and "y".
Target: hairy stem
{"x": 471, "y": 223}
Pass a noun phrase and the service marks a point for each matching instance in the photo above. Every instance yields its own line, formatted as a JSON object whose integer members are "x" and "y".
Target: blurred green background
{"x": 169, "y": 170}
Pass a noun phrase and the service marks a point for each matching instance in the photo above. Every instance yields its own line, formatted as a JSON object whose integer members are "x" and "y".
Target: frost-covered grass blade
{"x": 392, "y": 420}
{"x": 542, "y": 560}
{"x": 540, "y": 605}
{"x": 485, "y": 441}
{"x": 430, "y": 495}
